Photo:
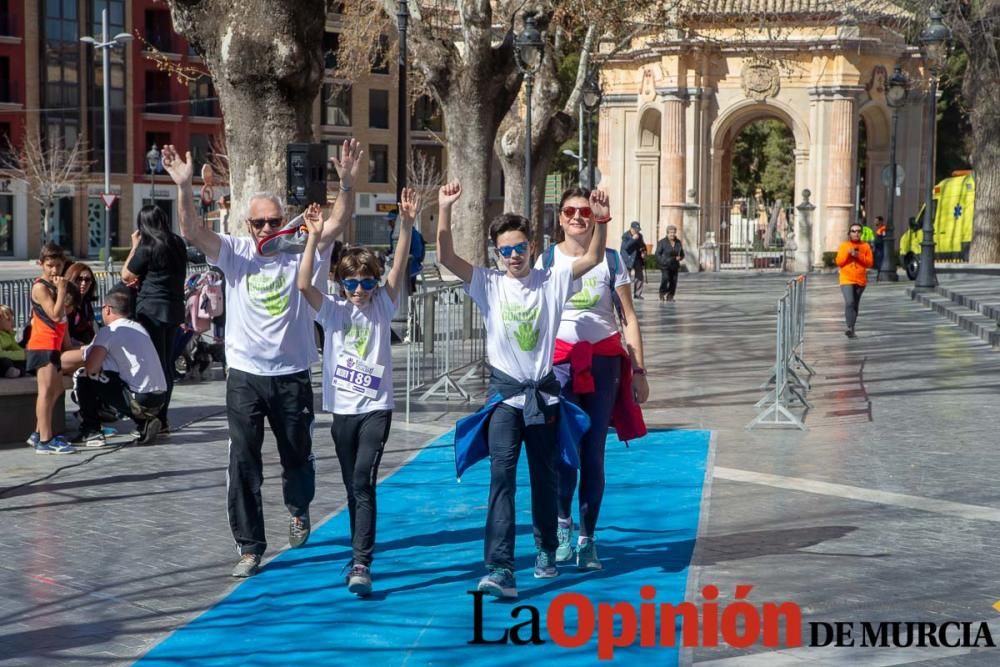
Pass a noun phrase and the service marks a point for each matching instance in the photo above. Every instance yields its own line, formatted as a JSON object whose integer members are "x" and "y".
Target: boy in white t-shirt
{"x": 357, "y": 372}
{"x": 521, "y": 307}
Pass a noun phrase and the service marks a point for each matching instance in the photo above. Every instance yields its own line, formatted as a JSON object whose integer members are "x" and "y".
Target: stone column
{"x": 672, "y": 166}
{"x": 839, "y": 207}
{"x": 803, "y": 234}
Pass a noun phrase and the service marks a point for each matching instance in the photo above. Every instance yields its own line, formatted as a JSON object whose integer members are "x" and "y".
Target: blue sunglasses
{"x": 351, "y": 284}
{"x": 508, "y": 250}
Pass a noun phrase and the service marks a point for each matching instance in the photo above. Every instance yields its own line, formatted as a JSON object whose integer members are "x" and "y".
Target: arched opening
{"x": 758, "y": 190}
{"x": 872, "y": 195}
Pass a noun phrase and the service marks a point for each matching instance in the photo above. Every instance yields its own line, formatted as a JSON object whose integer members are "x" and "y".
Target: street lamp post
{"x": 591, "y": 100}
{"x": 934, "y": 43}
{"x": 105, "y": 45}
{"x": 895, "y": 97}
{"x": 402, "y": 18}
{"x": 528, "y": 50}
{"x": 152, "y": 159}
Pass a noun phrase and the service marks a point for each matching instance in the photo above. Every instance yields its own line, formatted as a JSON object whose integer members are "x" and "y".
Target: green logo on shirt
{"x": 586, "y": 299}
{"x": 269, "y": 292}
{"x": 527, "y": 332}
{"x": 357, "y": 338}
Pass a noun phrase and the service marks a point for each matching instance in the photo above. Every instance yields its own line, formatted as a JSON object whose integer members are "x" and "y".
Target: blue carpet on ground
{"x": 429, "y": 555}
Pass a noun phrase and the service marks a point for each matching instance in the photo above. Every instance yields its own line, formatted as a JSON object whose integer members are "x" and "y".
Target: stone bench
{"x": 17, "y": 408}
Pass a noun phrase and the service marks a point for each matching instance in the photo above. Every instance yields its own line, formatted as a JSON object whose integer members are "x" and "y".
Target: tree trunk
{"x": 980, "y": 91}
{"x": 266, "y": 64}
{"x": 469, "y": 158}
{"x": 46, "y": 223}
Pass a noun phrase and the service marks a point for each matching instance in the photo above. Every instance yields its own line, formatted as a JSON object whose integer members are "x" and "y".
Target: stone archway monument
{"x": 819, "y": 68}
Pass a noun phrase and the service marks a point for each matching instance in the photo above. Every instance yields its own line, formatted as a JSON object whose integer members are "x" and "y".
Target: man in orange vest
{"x": 854, "y": 257}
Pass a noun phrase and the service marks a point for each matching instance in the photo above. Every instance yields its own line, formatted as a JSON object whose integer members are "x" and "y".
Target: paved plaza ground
{"x": 886, "y": 509}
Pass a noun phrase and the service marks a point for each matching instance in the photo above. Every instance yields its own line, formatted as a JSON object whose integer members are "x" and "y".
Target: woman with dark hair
{"x": 158, "y": 265}
{"x": 599, "y": 363}
{"x": 81, "y": 319}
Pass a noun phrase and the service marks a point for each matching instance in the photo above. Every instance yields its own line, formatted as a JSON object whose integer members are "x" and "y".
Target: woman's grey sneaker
{"x": 298, "y": 530}
{"x": 545, "y": 565}
{"x": 586, "y": 556}
{"x": 499, "y": 582}
{"x": 248, "y": 566}
{"x": 565, "y": 536}
{"x": 359, "y": 580}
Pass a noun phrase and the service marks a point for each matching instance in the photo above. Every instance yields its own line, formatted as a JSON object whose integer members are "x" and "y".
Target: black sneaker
{"x": 299, "y": 528}
{"x": 850, "y": 333}
{"x": 90, "y": 438}
{"x": 359, "y": 580}
{"x": 148, "y": 433}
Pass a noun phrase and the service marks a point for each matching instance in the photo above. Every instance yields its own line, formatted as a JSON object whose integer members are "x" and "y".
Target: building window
{"x": 378, "y": 109}
{"x": 8, "y": 89}
{"x": 159, "y": 31}
{"x": 337, "y": 105}
{"x": 201, "y": 150}
{"x": 158, "y": 93}
{"x": 6, "y": 225}
{"x": 426, "y": 115}
{"x": 160, "y": 139}
{"x": 378, "y": 163}
{"x": 331, "y": 44}
{"x": 202, "y": 94}
{"x": 117, "y": 111}
{"x": 60, "y": 72}
{"x": 6, "y": 20}
{"x": 380, "y": 59}
{"x": 7, "y": 159}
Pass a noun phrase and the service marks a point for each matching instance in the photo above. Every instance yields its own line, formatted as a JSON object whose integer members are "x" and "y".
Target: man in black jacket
{"x": 669, "y": 253}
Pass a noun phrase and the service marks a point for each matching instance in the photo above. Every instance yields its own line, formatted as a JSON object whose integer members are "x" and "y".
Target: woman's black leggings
{"x": 598, "y": 406}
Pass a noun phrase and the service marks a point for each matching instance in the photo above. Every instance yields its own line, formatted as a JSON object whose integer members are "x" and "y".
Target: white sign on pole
{"x": 109, "y": 199}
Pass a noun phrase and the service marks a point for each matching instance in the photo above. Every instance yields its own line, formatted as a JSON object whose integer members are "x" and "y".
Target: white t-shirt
{"x": 590, "y": 314}
{"x": 269, "y": 324}
{"x": 356, "y": 335}
{"x": 131, "y": 354}
{"x": 522, "y": 316}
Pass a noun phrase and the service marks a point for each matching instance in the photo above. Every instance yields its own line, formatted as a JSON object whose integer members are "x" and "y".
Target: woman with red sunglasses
{"x": 597, "y": 372}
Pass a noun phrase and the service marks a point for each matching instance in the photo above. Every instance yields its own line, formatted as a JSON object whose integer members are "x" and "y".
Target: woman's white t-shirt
{"x": 590, "y": 313}
{"x": 357, "y": 356}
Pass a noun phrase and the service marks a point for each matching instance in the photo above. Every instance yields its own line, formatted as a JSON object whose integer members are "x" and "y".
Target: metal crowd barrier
{"x": 789, "y": 379}
{"x": 17, "y": 293}
{"x": 445, "y": 344}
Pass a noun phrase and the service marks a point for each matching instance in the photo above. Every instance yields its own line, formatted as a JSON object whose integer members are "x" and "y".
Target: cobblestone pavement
{"x": 885, "y": 509}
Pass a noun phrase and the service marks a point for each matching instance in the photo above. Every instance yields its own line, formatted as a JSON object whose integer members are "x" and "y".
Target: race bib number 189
{"x": 358, "y": 376}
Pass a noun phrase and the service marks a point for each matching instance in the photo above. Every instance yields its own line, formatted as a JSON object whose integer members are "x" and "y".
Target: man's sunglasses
{"x": 570, "y": 211}
{"x": 258, "y": 223}
{"x": 351, "y": 284}
{"x": 508, "y": 250}
{"x": 855, "y": 231}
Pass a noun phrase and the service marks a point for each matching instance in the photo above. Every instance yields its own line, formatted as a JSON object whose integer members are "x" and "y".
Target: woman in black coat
{"x": 158, "y": 265}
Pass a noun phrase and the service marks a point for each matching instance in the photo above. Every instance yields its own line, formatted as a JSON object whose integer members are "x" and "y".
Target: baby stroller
{"x": 199, "y": 341}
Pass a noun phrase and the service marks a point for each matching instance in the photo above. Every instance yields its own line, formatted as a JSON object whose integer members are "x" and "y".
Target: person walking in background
{"x": 11, "y": 354}
{"x": 633, "y": 251}
{"x": 669, "y": 253}
{"x": 879, "y": 246}
{"x": 854, "y": 257}
{"x": 158, "y": 265}
{"x": 81, "y": 320}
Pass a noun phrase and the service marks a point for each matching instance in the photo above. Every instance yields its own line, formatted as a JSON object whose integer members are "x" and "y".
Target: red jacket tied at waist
{"x": 626, "y": 416}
